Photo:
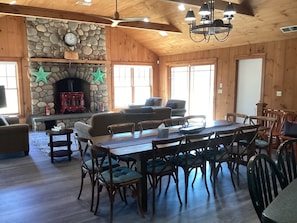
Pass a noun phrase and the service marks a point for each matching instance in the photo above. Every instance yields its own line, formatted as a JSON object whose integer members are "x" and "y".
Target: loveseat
{"x": 14, "y": 137}
{"x": 99, "y": 122}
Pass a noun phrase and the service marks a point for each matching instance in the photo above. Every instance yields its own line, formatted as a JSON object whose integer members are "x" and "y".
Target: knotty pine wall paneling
{"x": 280, "y": 70}
{"x": 13, "y": 47}
{"x": 125, "y": 50}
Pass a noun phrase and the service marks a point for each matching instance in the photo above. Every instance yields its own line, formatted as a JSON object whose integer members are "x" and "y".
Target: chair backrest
{"x": 83, "y": 147}
{"x": 266, "y": 126}
{"x": 102, "y": 164}
{"x": 279, "y": 115}
{"x": 192, "y": 138}
{"x": 286, "y": 159}
{"x": 264, "y": 181}
{"x": 225, "y": 137}
{"x": 245, "y": 138}
{"x": 175, "y": 121}
{"x": 196, "y": 119}
{"x": 160, "y": 150}
{"x": 121, "y": 128}
{"x": 149, "y": 124}
{"x": 236, "y": 117}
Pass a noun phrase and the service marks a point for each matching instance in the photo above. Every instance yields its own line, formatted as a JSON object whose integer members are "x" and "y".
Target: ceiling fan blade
{"x": 134, "y": 19}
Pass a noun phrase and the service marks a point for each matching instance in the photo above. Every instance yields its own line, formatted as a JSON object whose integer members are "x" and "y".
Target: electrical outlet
{"x": 220, "y": 91}
{"x": 278, "y": 93}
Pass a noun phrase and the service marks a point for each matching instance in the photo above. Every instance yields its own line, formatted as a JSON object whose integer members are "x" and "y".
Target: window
{"x": 195, "y": 84}
{"x": 8, "y": 78}
{"x": 131, "y": 84}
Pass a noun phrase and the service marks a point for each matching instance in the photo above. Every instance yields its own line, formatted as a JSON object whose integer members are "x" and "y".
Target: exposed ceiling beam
{"x": 243, "y": 8}
{"x": 27, "y": 11}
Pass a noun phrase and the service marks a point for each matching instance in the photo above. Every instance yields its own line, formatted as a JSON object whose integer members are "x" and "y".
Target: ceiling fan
{"x": 116, "y": 19}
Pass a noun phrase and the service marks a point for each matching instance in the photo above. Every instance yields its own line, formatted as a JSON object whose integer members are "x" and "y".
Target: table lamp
{"x": 2, "y": 97}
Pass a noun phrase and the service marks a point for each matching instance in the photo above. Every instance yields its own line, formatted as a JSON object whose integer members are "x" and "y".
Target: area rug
{"x": 40, "y": 140}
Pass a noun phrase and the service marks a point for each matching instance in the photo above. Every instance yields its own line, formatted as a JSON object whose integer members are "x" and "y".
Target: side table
{"x": 67, "y": 142}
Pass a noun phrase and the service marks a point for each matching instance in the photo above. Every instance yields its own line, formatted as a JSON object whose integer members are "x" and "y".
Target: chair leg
{"x": 83, "y": 174}
{"x": 186, "y": 173}
{"x": 196, "y": 171}
{"x": 99, "y": 188}
{"x": 203, "y": 170}
{"x": 177, "y": 188}
{"x": 93, "y": 182}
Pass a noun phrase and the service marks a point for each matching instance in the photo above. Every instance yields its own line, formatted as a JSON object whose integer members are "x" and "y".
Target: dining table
{"x": 282, "y": 209}
{"x": 139, "y": 145}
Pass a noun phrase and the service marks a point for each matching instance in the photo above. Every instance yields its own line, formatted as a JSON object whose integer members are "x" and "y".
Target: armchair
{"x": 14, "y": 137}
{"x": 178, "y": 107}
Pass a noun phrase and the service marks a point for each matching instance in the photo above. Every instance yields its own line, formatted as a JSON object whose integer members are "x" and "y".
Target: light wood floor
{"x": 32, "y": 189}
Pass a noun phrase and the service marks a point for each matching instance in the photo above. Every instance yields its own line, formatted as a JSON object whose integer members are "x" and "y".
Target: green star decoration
{"x": 98, "y": 76}
{"x": 41, "y": 75}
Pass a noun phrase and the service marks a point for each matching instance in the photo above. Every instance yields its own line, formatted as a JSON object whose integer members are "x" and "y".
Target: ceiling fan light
{"x": 181, "y": 7}
{"x": 229, "y": 9}
{"x": 190, "y": 16}
{"x": 204, "y": 10}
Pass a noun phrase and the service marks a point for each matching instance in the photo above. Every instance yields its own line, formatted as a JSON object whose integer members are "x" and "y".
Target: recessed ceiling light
{"x": 88, "y": 1}
{"x": 181, "y": 7}
{"x": 163, "y": 33}
{"x": 12, "y": 2}
{"x": 146, "y": 19}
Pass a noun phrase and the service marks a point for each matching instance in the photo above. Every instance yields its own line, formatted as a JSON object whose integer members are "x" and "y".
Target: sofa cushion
{"x": 149, "y": 102}
{"x": 138, "y": 110}
{"x": 3, "y": 121}
{"x": 172, "y": 105}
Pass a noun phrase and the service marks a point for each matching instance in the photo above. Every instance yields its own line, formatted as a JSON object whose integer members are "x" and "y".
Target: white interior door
{"x": 249, "y": 85}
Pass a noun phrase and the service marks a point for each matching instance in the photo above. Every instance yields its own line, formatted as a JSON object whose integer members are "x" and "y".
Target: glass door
{"x": 195, "y": 84}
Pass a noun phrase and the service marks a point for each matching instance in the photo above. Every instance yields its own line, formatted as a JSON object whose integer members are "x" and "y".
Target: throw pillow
{"x": 3, "y": 120}
{"x": 172, "y": 105}
{"x": 290, "y": 129}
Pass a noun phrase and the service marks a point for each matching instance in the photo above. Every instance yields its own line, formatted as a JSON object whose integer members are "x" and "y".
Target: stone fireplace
{"x": 45, "y": 40}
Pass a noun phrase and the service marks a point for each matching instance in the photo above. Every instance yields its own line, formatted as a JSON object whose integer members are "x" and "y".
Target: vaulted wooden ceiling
{"x": 256, "y": 21}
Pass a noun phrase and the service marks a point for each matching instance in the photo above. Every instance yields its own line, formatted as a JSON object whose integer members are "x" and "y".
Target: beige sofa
{"x": 14, "y": 137}
{"x": 99, "y": 122}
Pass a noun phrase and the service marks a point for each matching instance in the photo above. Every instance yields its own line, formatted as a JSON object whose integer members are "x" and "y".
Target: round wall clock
{"x": 70, "y": 39}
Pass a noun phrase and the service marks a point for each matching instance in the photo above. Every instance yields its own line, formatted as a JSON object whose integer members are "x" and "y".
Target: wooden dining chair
{"x": 236, "y": 117}
{"x": 244, "y": 147}
{"x": 149, "y": 124}
{"x": 86, "y": 165}
{"x": 192, "y": 158}
{"x": 114, "y": 178}
{"x": 264, "y": 139}
{"x": 165, "y": 152}
{"x": 265, "y": 181}
{"x": 286, "y": 159}
{"x": 218, "y": 152}
{"x": 127, "y": 127}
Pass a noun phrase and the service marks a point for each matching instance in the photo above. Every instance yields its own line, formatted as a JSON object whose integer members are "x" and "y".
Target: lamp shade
{"x": 190, "y": 16}
{"x": 229, "y": 10}
{"x": 2, "y": 97}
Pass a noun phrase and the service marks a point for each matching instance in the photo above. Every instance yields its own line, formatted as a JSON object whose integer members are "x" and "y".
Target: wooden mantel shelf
{"x": 53, "y": 60}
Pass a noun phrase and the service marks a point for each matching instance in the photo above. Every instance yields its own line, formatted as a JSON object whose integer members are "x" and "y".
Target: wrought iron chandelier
{"x": 209, "y": 25}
